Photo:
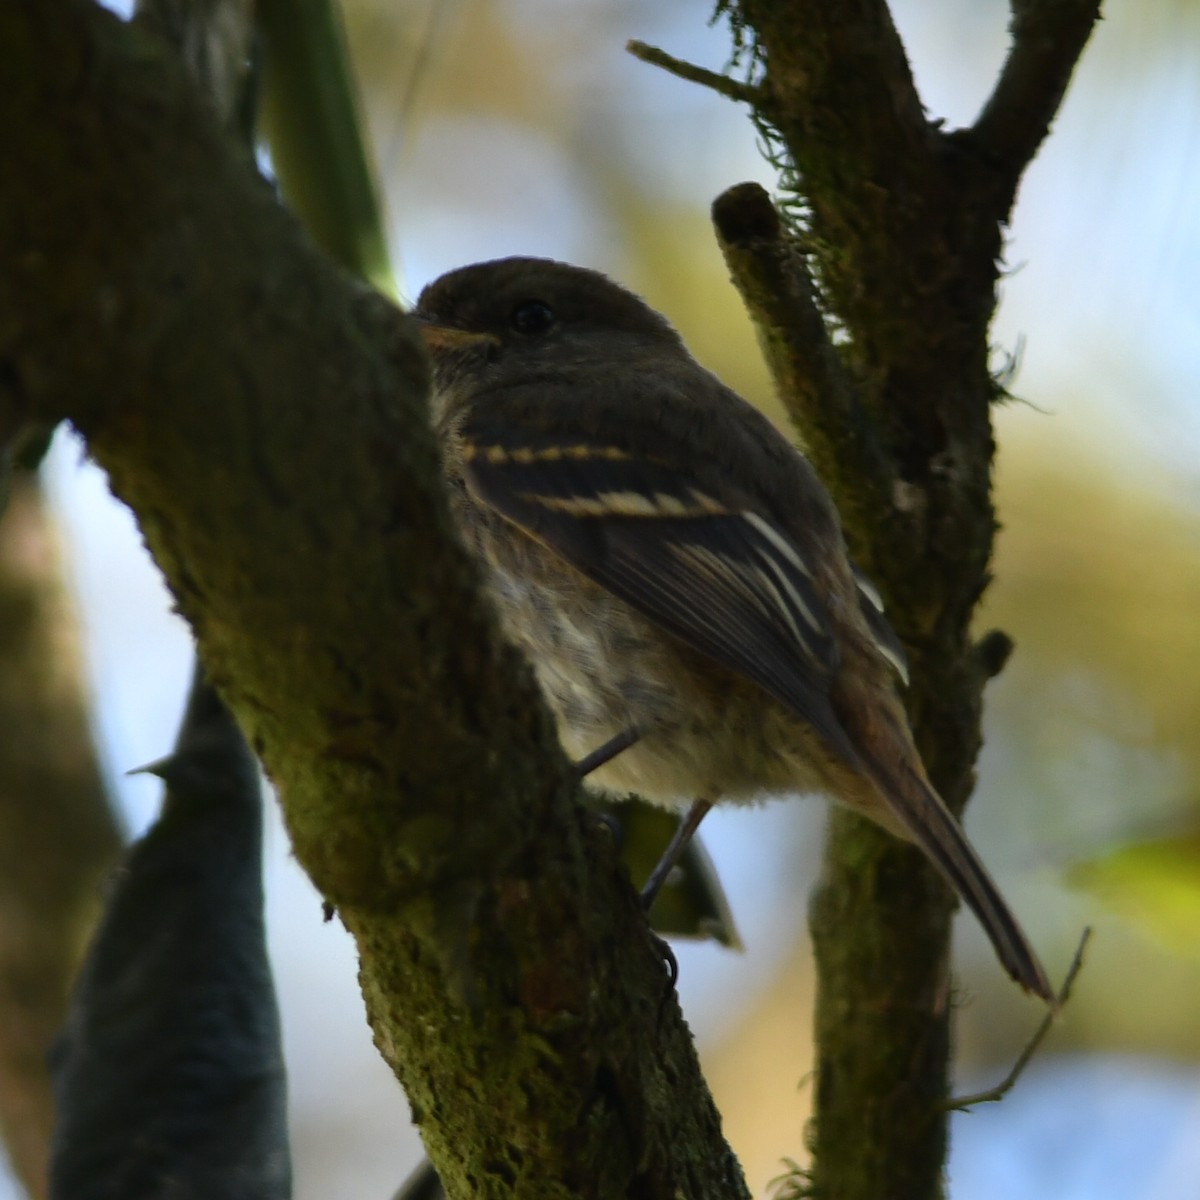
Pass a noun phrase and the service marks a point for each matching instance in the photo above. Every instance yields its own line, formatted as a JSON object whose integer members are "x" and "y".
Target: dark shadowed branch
{"x": 169, "y": 1075}
{"x": 1048, "y": 37}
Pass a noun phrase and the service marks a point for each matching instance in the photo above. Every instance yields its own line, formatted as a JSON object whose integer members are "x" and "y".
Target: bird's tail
{"x": 930, "y": 824}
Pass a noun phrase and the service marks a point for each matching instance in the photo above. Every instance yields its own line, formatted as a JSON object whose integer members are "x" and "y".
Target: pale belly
{"x": 707, "y": 732}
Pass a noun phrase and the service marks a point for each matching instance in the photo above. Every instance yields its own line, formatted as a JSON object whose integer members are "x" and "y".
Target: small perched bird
{"x": 673, "y": 568}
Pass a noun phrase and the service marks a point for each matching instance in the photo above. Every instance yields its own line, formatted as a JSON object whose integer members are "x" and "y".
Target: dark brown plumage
{"x": 672, "y": 566}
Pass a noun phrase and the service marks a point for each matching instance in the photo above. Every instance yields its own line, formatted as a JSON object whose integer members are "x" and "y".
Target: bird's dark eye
{"x": 532, "y": 317}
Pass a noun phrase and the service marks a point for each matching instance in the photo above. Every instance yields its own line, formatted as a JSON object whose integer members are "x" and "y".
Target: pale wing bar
{"x": 720, "y": 577}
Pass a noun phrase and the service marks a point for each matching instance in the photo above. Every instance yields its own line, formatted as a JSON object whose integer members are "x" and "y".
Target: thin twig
{"x": 734, "y": 89}
{"x": 1006, "y": 1085}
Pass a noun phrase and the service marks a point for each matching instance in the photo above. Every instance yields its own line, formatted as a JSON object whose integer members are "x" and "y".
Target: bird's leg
{"x": 597, "y": 758}
{"x": 606, "y": 753}
{"x": 675, "y": 847}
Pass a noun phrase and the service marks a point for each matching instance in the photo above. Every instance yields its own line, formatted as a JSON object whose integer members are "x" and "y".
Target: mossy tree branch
{"x": 265, "y": 419}
{"x": 898, "y": 253}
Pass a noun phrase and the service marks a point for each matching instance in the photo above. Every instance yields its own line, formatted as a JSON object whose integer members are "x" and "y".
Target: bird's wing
{"x": 721, "y": 577}
{"x": 870, "y": 604}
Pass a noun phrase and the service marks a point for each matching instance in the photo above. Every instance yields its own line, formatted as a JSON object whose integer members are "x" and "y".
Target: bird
{"x": 673, "y": 569}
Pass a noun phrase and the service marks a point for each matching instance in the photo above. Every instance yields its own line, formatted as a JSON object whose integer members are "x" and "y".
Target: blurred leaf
{"x": 310, "y": 119}
{"x": 692, "y": 902}
{"x": 1155, "y": 885}
{"x": 1100, "y": 568}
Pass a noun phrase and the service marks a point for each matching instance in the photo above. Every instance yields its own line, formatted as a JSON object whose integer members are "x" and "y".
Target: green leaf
{"x": 692, "y": 902}
{"x": 1155, "y": 885}
{"x": 310, "y": 119}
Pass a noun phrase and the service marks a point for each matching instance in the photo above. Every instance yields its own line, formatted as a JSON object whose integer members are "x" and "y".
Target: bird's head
{"x": 523, "y": 318}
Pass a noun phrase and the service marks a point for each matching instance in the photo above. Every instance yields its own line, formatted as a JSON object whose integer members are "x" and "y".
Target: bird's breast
{"x": 603, "y": 667}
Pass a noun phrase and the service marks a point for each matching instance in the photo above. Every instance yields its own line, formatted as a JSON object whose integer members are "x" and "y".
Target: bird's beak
{"x": 443, "y": 339}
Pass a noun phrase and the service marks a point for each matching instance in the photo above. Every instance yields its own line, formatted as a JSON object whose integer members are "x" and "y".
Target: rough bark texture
{"x": 57, "y": 835}
{"x": 265, "y": 420}
{"x": 899, "y": 252}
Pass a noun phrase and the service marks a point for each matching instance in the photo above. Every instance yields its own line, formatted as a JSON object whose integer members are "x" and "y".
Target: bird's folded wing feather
{"x": 720, "y": 576}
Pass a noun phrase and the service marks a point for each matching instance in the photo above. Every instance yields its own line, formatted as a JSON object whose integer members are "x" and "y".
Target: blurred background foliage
{"x": 521, "y": 126}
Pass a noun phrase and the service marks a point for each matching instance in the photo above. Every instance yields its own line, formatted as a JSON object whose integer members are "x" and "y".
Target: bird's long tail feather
{"x": 930, "y": 824}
